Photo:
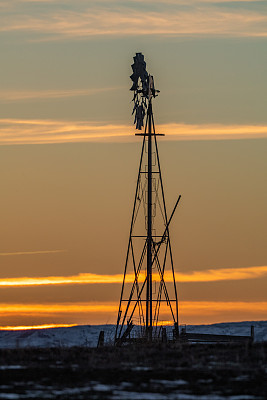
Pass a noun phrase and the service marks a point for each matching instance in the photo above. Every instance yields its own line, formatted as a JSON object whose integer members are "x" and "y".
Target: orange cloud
{"x": 23, "y": 131}
{"x": 209, "y": 275}
{"x": 223, "y": 274}
{"x": 20, "y": 253}
{"x": 194, "y": 307}
{"x": 63, "y": 280}
{"x": 51, "y": 309}
{"x": 43, "y": 326}
{"x": 205, "y": 312}
{"x": 212, "y": 131}
{"x": 190, "y": 311}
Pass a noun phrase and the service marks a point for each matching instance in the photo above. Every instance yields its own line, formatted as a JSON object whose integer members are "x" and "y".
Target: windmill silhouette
{"x": 148, "y": 298}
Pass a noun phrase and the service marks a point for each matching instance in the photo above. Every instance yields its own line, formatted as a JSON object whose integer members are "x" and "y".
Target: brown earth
{"x": 198, "y": 371}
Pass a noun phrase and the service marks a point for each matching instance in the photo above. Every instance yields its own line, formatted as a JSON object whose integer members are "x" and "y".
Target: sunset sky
{"x": 69, "y": 156}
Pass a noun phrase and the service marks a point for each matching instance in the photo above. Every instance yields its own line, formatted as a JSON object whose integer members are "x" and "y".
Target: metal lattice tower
{"x": 148, "y": 288}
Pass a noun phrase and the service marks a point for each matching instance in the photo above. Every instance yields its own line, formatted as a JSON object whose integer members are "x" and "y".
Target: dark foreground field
{"x": 186, "y": 371}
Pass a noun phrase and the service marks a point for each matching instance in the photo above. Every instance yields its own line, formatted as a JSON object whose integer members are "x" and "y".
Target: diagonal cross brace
{"x": 154, "y": 258}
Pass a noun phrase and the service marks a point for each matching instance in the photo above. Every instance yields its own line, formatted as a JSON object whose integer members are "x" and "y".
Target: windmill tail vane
{"x": 149, "y": 299}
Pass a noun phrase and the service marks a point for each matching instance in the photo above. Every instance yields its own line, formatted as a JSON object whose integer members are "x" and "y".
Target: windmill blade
{"x": 143, "y": 88}
{"x": 139, "y": 71}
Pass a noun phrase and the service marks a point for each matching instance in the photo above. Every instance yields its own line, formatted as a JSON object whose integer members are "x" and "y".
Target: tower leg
{"x": 149, "y": 227}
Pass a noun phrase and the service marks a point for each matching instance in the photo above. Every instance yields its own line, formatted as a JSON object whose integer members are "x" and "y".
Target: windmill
{"x": 148, "y": 295}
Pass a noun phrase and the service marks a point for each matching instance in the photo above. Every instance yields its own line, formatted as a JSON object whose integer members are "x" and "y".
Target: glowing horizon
{"x": 88, "y": 313}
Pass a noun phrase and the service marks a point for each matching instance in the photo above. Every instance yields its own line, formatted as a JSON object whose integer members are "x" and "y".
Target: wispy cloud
{"x": 51, "y": 308}
{"x": 26, "y": 327}
{"x": 62, "y": 280}
{"x": 22, "y": 253}
{"x": 134, "y": 1}
{"x": 209, "y": 275}
{"x": 48, "y": 131}
{"x": 118, "y": 19}
{"x": 192, "y": 308}
{"x": 212, "y": 131}
{"x": 223, "y": 274}
{"x": 23, "y": 131}
{"x": 204, "y": 311}
{"x": 114, "y": 2}
{"x": 15, "y": 95}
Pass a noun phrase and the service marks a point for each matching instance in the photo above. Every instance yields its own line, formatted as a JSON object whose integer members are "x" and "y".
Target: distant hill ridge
{"x": 87, "y": 335}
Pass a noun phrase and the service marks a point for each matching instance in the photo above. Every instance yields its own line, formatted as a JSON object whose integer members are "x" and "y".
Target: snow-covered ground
{"x": 233, "y": 328}
{"x": 87, "y": 335}
{"x": 84, "y": 335}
